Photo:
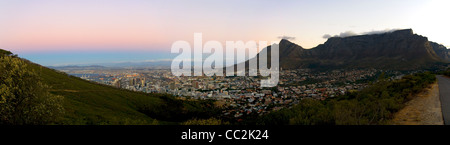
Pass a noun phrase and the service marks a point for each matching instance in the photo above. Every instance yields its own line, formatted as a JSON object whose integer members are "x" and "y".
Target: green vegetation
{"x": 179, "y": 110}
{"x": 4, "y": 52}
{"x": 24, "y": 98}
{"x": 373, "y": 105}
{"x": 446, "y": 73}
{"x": 210, "y": 121}
{"x": 91, "y": 103}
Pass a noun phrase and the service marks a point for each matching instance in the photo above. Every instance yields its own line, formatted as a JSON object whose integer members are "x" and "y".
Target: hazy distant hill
{"x": 398, "y": 50}
{"x": 76, "y": 67}
{"x": 159, "y": 64}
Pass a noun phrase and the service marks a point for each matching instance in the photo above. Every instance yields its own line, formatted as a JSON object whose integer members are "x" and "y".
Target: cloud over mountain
{"x": 351, "y": 33}
{"x": 342, "y": 34}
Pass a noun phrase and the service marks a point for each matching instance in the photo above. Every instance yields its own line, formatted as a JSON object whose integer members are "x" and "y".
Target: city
{"x": 239, "y": 96}
{"x": 224, "y": 71}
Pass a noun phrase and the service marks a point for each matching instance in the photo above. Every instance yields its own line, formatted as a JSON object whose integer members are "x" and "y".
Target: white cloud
{"x": 326, "y": 36}
{"x": 351, "y": 33}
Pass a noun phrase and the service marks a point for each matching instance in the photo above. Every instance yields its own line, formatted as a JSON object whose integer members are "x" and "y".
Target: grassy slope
{"x": 90, "y": 103}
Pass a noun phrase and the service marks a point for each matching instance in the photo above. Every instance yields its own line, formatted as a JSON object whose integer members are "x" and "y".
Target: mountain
{"x": 441, "y": 51}
{"x": 397, "y": 50}
{"x": 158, "y": 64}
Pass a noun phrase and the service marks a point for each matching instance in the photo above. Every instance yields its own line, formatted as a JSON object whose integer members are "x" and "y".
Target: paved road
{"x": 444, "y": 93}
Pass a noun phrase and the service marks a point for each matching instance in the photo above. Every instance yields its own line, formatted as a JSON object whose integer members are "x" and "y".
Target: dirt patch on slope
{"x": 424, "y": 109}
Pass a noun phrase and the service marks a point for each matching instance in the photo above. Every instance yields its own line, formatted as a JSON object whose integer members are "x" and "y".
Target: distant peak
{"x": 285, "y": 41}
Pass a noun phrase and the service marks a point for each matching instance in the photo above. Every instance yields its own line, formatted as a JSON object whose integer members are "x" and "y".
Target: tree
{"x": 24, "y": 98}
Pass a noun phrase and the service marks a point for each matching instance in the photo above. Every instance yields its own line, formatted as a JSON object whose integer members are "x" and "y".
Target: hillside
{"x": 373, "y": 105}
{"x": 91, "y": 103}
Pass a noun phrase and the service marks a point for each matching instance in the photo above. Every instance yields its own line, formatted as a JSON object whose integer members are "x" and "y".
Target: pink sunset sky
{"x": 31, "y": 28}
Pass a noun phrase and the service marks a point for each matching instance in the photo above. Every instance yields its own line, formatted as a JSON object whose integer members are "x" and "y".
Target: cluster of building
{"x": 240, "y": 96}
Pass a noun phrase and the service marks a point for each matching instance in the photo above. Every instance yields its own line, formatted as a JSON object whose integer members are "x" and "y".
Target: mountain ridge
{"x": 397, "y": 50}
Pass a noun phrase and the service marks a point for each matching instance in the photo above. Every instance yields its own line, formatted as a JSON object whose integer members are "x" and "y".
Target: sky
{"x": 55, "y": 32}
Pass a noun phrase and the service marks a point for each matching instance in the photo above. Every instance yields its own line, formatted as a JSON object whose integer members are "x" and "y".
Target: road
{"x": 444, "y": 93}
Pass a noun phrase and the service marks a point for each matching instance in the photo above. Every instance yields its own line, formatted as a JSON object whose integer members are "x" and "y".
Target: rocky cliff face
{"x": 441, "y": 51}
{"x": 401, "y": 50}
{"x": 396, "y": 49}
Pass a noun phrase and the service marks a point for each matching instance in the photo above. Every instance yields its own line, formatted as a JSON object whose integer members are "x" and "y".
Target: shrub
{"x": 24, "y": 98}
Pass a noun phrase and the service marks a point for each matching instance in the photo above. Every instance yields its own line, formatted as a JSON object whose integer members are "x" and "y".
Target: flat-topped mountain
{"x": 398, "y": 50}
